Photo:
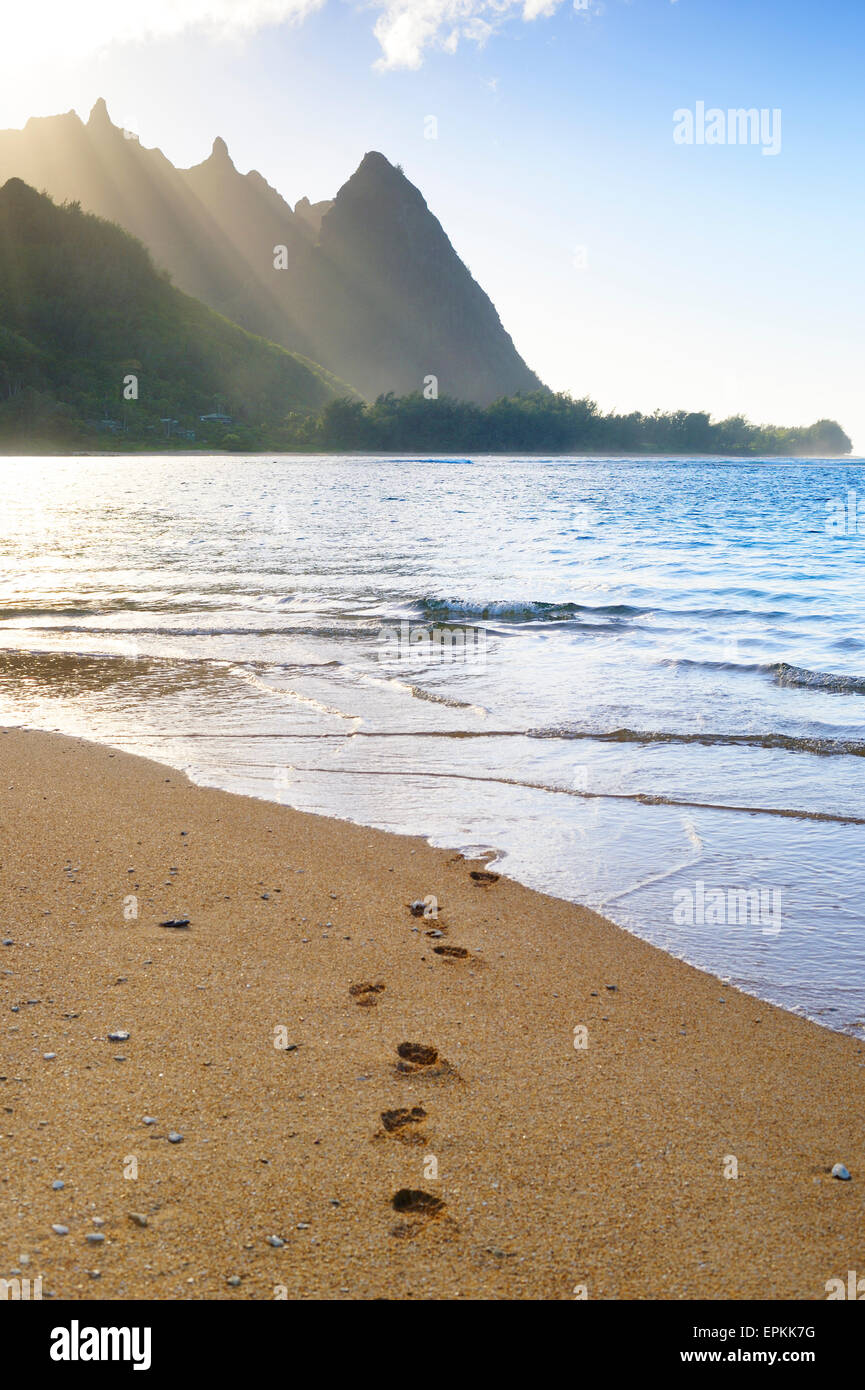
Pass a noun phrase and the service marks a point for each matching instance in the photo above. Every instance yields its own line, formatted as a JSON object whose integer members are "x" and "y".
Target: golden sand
{"x": 544, "y": 1168}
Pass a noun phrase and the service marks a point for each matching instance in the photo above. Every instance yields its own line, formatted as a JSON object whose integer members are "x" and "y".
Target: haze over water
{"x": 668, "y": 700}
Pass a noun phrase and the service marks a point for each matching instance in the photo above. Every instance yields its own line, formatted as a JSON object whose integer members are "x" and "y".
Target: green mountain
{"x": 367, "y": 284}
{"x": 95, "y": 340}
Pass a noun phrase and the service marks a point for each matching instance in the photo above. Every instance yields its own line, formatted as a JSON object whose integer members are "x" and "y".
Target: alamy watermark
{"x": 846, "y": 517}
{"x": 416, "y": 642}
{"x": 18, "y": 1290}
{"x": 734, "y": 126}
{"x": 734, "y": 907}
{"x": 854, "y": 1288}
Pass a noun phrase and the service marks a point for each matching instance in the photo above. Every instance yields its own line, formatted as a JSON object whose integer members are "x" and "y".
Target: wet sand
{"x": 546, "y": 1168}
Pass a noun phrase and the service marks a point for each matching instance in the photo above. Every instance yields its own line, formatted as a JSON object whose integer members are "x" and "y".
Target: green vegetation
{"x": 82, "y": 310}
{"x": 83, "y": 313}
{"x": 546, "y": 423}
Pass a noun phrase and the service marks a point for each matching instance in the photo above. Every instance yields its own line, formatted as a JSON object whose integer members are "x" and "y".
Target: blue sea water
{"x": 640, "y": 683}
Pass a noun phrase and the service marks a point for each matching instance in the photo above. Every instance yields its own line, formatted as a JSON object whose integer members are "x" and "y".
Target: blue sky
{"x": 627, "y": 267}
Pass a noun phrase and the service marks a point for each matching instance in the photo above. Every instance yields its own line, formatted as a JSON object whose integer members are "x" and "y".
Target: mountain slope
{"x": 392, "y": 300}
{"x": 111, "y": 174}
{"x": 370, "y": 286}
{"x": 82, "y": 307}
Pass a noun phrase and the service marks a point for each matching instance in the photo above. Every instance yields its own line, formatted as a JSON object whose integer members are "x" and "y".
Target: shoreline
{"x": 424, "y": 454}
{"x": 558, "y": 1166}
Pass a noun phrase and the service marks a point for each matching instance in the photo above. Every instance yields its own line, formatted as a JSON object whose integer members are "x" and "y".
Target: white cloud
{"x": 405, "y": 29}
{"x": 532, "y": 9}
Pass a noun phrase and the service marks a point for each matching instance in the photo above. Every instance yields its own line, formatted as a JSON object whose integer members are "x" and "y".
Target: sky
{"x": 628, "y": 263}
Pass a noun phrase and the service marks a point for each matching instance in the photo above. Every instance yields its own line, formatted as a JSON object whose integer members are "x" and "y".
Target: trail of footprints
{"x": 403, "y": 1122}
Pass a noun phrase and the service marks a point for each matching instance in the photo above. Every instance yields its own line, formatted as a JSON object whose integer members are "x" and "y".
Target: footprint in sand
{"x": 402, "y": 1125}
{"x": 414, "y": 1202}
{"x": 418, "y": 1058}
{"x": 483, "y": 876}
{"x": 395, "y": 1119}
{"x": 451, "y": 952}
{"x": 365, "y": 995}
{"x": 418, "y": 1053}
{"x": 411, "y": 1201}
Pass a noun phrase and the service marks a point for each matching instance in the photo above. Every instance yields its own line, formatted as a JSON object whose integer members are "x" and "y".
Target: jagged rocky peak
{"x": 312, "y": 213}
{"x": 217, "y": 165}
{"x": 99, "y": 115}
{"x": 219, "y": 154}
{"x": 378, "y": 189}
{"x": 375, "y": 163}
{"x": 375, "y": 173}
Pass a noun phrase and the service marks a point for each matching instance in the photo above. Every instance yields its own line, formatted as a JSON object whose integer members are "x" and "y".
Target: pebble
{"x": 276, "y": 1241}
{"x": 839, "y": 1171}
{"x": 7, "y": 941}
{"x": 60, "y": 1230}
{"x": 49, "y": 1056}
{"x": 175, "y": 1138}
{"x": 148, "y": 1120}
{"x": 94, "y": 1237}
{"x": 303, "y": 1225}
{"x": 120, "y": 1036}
{"x": 233, "y": 1280}
{"x": 138, "y": 1218}
{"x": 58, "y": 1184}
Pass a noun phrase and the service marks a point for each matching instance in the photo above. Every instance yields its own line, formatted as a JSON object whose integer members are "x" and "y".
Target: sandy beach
{"x": 265, "y": 1038}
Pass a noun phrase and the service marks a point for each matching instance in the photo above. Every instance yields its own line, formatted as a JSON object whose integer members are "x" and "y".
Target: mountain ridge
{"x": 369, "y": 284}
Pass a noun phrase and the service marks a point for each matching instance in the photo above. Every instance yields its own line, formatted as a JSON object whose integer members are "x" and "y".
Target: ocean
{"x": 638, "y": 684}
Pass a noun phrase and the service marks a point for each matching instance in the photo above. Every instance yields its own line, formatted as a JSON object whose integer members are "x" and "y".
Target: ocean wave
{"x": 540, "y": 610}
{"x": 636, "y": 798}
{"x": 530, "y": 610}
{"x": 800, "y": 676}
{"x": 759, "y": 667}
{"x": 782, "y": 672}
{"x": 788, "y": 743}
{"x": 251, "y": 677}
{"x": 417, "y": 692}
